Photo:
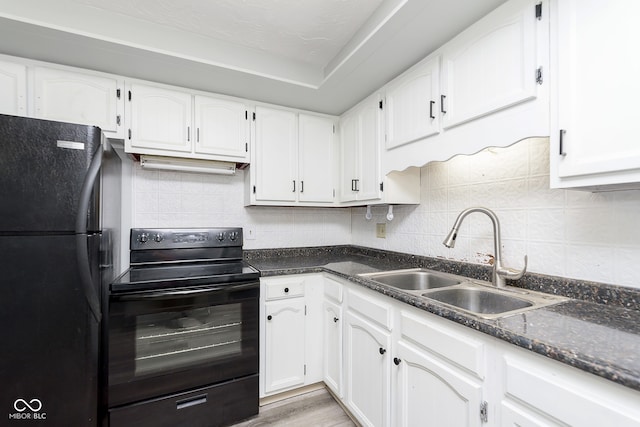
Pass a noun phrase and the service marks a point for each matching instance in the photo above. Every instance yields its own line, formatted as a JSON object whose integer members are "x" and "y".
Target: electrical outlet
{"x": 381, "y": 230}
{"x": 250, "y": 234}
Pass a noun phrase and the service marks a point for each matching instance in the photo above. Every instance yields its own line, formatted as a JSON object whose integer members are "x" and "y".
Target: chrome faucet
{"x": 500, "y": 273}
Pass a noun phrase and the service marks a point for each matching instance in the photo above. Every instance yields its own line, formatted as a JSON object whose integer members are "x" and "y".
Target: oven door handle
{"x": 186, "y": 292}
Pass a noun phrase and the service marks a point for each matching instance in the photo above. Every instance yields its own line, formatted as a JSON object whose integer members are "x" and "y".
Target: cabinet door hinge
{"x": 118, "y": 120}
{"x": 539, "y": 11}
{"x": 484, "y": 412}
{"x": 129, "y": 95}
{"x": 118, "y": 93}
{"x": 539, "y": 75}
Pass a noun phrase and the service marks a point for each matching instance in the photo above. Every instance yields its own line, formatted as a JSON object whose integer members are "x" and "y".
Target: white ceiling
{"x": 319, "y": 55}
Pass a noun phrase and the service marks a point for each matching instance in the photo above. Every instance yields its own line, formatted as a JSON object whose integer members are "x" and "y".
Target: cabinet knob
{"x": 335, "y": 320}
{"x": 286, "y": 290}
{"x": 269, "y": 317}
{"x": 382, "y": 350}
{"x": 396, "y": 361}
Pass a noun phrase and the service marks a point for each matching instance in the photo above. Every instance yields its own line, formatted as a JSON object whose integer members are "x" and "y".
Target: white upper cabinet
{"x": 74, "y": 97}
{"x": 293, "y": 160}
{"x": 222, "y": 127}
{"x": 360, "y": 136}
{"x": 491, "y": 65}
{"x": 412, "y": 104}
{"x": 13, "y": 86}
{"x": 160, "y": 119}
{"x": 490, "y": 89}
{"x": 316, "y": 160}
{"x": 276, "y": 155}
{"x": 595, "y": 128}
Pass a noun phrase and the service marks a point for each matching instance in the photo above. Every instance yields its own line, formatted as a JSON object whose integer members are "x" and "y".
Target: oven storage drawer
{"x": 218, "y": 405}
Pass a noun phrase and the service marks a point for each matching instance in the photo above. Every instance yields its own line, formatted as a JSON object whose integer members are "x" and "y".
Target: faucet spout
{"x": 500, "y": 273}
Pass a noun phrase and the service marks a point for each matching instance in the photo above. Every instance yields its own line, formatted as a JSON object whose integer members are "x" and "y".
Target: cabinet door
{"x": 284, "y": 344}
{"x": 367, "y": 370}
{"x": 76, "y": 98}
{"x": 412, "y": 109}
{"x": 315, "y": 153}
{"x": 432, "y": 393}
{"x": 349, "y": 129}
{"x": 276, "y": 156}
{"x": 160, "y": 119}
{"x": 491, "y": 65}
{"x": 222, "y": 128}
{"x": 332, "y": 346}
{"x": 369, "y": 151}
{"x": 597, "y": 99}
{"x": 13, "y": 86}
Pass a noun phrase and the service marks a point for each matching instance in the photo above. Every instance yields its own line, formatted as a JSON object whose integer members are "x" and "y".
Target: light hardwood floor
{"x": 313, "y": 409}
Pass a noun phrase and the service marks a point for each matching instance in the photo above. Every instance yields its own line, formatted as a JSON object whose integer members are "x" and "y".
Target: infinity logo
{"x": 21, "y": 405}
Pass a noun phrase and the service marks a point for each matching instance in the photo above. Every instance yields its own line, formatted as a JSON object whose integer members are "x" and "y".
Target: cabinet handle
{"x": 294, "y": 186}
{"x": 442, "y": 98}
{"x": 431, "y": 104}
{"x": 335, "y": 320}
{"x": 302, "y": 186}
{"x": 382, "y": 350}
{"x": 197, "y": 134}
{"x": 286, "y": 290}
{"x": 562, "y": 132}
{"x": 188, "y": 133}
{"x": 269, "y": 317}
{"x": 357, "y": 181}
{"x": 396, "y": 361}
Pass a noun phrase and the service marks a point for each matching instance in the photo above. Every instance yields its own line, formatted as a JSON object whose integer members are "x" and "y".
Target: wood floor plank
{"x": 314, "y": 409}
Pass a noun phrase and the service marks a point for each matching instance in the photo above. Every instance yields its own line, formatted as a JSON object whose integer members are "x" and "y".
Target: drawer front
{"x": 371, "y": 308}
{"x": 333, "y": 289}
{"x": 285, "y": 287}
{"x": 218, "y": 405}
{"x": 445, "y": 341}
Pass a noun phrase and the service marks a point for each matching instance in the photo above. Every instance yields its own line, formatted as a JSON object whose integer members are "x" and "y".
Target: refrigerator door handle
{"x": 82, "y": 243}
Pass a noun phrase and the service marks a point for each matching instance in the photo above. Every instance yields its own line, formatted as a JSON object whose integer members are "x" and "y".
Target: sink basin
{"x": 479, "y": 301}
{"x": 414, "y": 280}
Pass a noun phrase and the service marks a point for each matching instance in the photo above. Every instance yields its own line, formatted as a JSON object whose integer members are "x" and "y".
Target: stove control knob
{"x": 143, "y": 238}
{"x": 220, "y": 237}
{"x": 233, "y": 236}
{"x": 158, "y": 238}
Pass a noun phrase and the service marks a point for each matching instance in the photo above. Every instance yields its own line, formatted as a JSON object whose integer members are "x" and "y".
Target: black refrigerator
{"x": 59, "y": 247}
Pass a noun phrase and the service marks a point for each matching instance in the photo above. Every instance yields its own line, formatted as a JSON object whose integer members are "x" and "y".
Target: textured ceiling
{"x": 310, "y": 31}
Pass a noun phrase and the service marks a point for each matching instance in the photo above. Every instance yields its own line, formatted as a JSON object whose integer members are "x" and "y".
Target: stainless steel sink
{"x": 491, "y": 303}
{"x": 479, "y": 300}
{"x": 414, "y": 279}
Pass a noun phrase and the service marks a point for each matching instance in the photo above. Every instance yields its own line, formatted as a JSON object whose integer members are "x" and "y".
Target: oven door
{"x": 167, "y": 341}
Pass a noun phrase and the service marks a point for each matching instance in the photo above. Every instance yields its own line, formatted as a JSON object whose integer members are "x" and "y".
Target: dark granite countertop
{"x": 600, "y": 335}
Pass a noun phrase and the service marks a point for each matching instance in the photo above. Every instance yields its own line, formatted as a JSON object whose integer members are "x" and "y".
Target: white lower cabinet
{"x": 402, "y": 366}
{"x": 290, "y": 356}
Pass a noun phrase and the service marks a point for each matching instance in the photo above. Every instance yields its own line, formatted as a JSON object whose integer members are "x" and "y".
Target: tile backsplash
{"x": 180, "y": 199}
{"x": 568, "y": 233}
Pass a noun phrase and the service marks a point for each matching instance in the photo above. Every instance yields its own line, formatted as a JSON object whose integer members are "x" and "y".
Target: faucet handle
{"x": 512, "y": 273}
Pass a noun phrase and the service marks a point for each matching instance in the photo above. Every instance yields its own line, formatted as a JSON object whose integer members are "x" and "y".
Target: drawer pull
{"x": 192, "y": 401}
{"x": 286, "y": 290}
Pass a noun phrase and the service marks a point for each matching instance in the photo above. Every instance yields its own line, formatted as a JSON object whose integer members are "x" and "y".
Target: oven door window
{"x": 166, "y": 341}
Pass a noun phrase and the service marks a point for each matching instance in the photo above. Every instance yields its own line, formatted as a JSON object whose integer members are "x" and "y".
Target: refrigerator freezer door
{"x": 42, "y": 167}
{"x": 50, "y": 341}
